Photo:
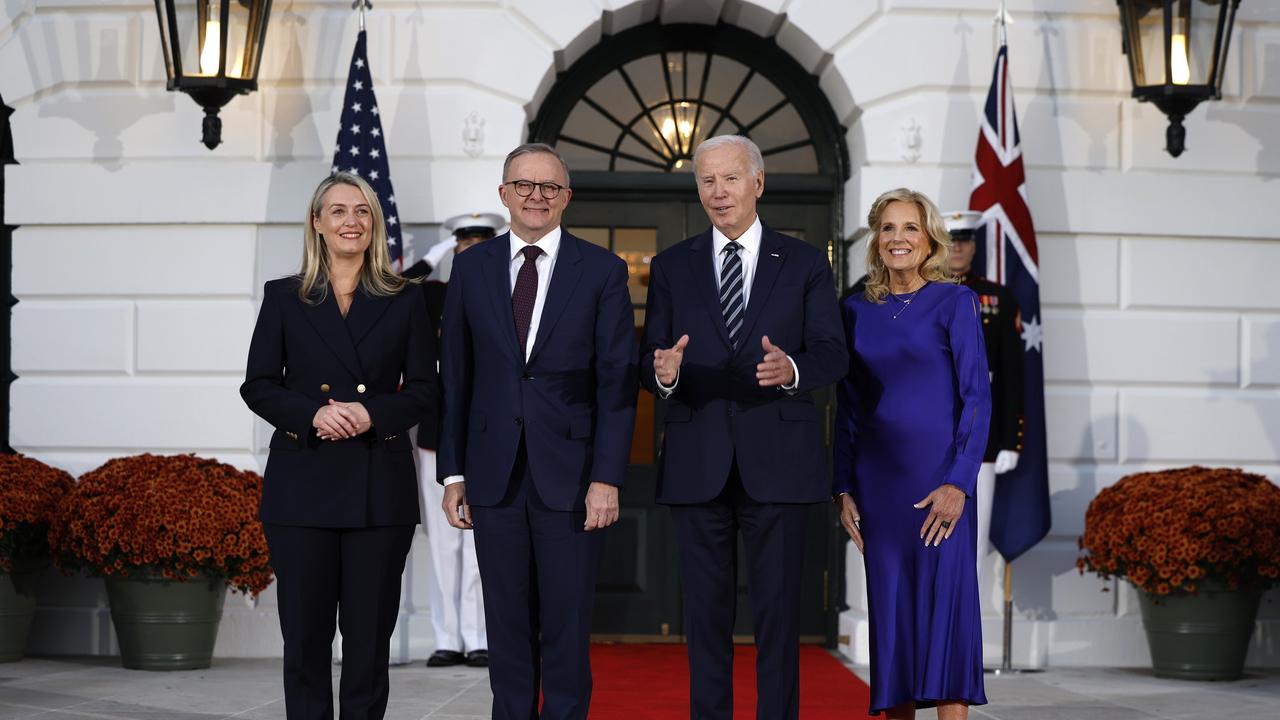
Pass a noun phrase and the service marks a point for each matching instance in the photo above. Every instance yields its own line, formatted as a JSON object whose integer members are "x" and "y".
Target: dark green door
{"x": 638, "y": 593}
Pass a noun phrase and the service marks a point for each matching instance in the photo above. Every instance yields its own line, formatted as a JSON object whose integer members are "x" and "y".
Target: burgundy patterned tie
{"x": 525, "y": 293}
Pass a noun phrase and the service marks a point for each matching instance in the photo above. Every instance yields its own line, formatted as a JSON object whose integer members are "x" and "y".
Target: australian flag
{"x": 1006, "y": 247}
{"x": 362, "y": 150}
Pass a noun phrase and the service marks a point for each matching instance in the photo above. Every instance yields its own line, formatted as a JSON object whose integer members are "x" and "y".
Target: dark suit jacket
{"x": 718, "y": 410}
{"x": 433, "y": 292}
{"x": 574, "y": 400}
{"x": 300, "y": 356}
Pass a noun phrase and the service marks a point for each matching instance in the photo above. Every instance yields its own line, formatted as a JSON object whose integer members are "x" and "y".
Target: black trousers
{"x": 353, "y": 576}
{"x": 538, "y": 568}
{"x": 774, "y": 536}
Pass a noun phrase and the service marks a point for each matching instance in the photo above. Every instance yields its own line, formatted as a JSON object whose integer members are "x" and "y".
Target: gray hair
{"x": 750, "y": 148}
{"x": 530, "y": 149}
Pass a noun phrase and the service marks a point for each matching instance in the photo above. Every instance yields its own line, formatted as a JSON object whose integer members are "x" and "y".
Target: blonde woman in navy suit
{"x": 342, "y": 363}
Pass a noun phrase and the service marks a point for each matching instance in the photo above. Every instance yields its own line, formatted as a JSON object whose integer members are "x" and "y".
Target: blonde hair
{"x": 935, "y": 267}
{"x": 377, "y": 277}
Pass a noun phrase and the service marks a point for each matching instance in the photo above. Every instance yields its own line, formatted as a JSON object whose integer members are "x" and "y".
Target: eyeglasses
{"x": 524, "y": 188}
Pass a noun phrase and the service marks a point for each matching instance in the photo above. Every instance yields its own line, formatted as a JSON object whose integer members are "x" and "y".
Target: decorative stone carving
{"x": 909, "y": 139}
{"x": 473, "y": 134}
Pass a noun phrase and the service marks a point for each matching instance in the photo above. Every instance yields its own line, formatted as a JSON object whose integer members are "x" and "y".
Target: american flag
{"x": 1006, "y": 247}
{"x": 361, "y": 148}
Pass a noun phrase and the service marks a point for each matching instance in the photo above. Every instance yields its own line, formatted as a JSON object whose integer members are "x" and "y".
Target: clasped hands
{"x": 946, "y": 505}
{"x": 774, "y": 369}
{"x": 341, "y": 420}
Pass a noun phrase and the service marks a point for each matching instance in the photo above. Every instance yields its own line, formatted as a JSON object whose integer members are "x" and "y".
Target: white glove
{"x": 1006, "y": 460}
{"x": 437, "y": 252}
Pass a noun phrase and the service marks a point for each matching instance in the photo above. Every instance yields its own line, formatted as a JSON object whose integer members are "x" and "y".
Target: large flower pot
{"x": 163, "y": 624}
{"x": 1200, "y": 637}
{"x": 17, "y": 607}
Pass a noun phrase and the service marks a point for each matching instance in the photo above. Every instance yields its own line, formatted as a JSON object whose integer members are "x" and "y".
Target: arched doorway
{"x": 627, "y": 116}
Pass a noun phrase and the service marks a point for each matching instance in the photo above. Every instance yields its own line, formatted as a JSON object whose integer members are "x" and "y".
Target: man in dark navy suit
{"x": 742, "y": 324}
{"x": 539, "y": 369}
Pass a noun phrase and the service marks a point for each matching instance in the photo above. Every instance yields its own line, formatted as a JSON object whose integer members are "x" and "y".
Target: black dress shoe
{"x": 446, "y": 658}
{"x": 478, "y": 658}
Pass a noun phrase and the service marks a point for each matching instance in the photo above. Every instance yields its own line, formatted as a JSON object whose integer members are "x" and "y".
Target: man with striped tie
{"x": 741, "y": 326}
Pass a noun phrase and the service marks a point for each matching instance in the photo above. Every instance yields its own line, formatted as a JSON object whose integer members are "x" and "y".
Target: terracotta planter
{"x": 163, "y": 624}
{"x": 1200, "y": 637}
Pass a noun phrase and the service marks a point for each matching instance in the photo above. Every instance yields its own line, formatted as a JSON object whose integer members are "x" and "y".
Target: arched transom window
{"x": 649, "y": 114}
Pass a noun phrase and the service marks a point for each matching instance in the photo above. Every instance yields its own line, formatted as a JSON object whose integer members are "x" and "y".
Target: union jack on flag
{"x": 1006, "y": 248}
{"x": 362, "y": 149}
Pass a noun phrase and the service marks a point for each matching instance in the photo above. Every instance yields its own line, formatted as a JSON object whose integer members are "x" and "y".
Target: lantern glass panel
{"x": 1201, "y": 26}
{"x": 239, "y": 59}
{"x": 196, "y": 27}
{"x": 1146, "y": 44}
{"x": 166, "y": 22}
{"x": 181, "y": 36}
{"x": 1190, "y": 48}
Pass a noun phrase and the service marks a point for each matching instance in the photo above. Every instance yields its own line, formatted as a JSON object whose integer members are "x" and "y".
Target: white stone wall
{"x": 141, "y": 254}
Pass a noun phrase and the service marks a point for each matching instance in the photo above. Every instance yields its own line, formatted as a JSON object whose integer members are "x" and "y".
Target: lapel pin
{"x": 774, "y": 255}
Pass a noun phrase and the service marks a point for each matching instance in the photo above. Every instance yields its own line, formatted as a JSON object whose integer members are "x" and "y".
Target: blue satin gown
{"x": 913, "y": 414}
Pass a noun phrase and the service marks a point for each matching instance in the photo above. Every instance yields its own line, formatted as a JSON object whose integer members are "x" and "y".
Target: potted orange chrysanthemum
{"x": 1200, "y": 545}
{"x": 29, "y": 495}
{"x": 168, "y": 534}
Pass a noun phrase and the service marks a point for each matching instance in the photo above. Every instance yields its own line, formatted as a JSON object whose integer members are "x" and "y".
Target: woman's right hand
{"x": 331, "y": 424}
{"x": 849, "y": 518}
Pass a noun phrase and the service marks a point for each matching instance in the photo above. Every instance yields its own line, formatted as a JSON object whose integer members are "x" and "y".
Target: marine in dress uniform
{"x": 1002, "y": 331}
{"x": 456, "y": 596}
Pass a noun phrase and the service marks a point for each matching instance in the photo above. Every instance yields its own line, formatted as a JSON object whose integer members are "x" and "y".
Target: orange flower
{"x": 1184, "y": 525}
{"x": 168, "y": 513}
{"x": 29, "y": 495}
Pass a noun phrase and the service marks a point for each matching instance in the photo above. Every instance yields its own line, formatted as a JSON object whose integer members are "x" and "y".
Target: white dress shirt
{"x": 750, "y": 254}
{"x": 550, "y": 244}
{"x": 546, "y": 262}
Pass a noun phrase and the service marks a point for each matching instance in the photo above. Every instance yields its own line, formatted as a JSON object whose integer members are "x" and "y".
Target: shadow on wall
{"x": 412, "y": 118}
{"x": 294, "y": 113}
{"x": 1261, "y": 125}
{"x": 963, "y": 113}
{"x": 106, "y": 116}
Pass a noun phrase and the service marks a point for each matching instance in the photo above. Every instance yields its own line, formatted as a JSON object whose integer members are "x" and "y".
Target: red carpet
{"x": 651, "y": 682}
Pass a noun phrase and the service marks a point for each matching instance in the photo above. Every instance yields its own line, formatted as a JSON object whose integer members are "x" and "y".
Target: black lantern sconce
{"x": 212, "y": 49}
{"x": 1177, "y": 54}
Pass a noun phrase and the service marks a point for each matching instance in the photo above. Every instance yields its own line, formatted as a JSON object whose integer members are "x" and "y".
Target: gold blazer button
{"x": 360, "y": 388}
{"x": 324, "y": 387}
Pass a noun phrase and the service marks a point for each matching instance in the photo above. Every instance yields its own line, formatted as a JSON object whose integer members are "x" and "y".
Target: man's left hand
{"x": 774, "y": 369}
{"x": 602, "y": 506}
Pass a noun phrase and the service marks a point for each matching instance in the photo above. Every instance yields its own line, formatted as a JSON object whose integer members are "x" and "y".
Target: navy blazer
{"x": 718, "y": 410}
{"x": 573, "y": 401}
{"x": 382, "y": 355}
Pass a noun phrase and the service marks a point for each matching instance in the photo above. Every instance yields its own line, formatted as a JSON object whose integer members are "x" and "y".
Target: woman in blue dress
{"x": 911, "y": 432}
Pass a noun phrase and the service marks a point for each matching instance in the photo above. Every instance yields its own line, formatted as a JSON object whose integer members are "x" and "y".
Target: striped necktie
{"x": 731, "y": 301}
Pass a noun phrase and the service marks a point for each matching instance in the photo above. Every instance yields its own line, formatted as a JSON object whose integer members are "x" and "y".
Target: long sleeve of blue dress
{"x": 969, "y": 357}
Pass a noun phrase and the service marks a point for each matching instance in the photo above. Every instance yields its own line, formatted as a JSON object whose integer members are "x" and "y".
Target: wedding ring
{"x": 946, "y": 524}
